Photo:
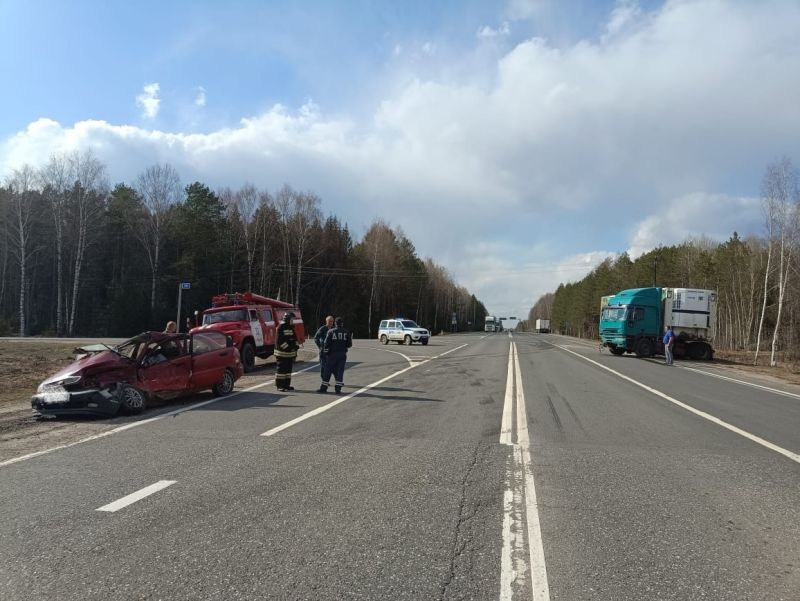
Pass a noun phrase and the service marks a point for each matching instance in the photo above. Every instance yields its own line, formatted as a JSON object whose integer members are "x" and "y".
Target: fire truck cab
{"x": 251, "y": 321}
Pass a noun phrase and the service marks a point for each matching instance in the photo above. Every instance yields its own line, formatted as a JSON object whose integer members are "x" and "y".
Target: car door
{"x": 210, "y": 357}
{"x": 392, "y": 332}
{"x": 165, "y": 367}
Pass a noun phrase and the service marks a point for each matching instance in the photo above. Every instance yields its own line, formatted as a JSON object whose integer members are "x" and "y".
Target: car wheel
{"x": 424, "y": 342}
{"x": 248, "y": 356}
{"x": 132, "y": 400}
{"x": 224, "y": 386}
{"x": 384, "y": 339}
{"x": 407, "y": 340}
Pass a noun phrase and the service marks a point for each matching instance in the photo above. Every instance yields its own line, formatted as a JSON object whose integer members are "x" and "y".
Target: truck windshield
{"x": 614, "y": 313}
{"x": 221, "y": 316}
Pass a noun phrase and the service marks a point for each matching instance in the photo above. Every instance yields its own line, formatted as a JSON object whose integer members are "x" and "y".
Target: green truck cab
{"x": 634, "y": 320}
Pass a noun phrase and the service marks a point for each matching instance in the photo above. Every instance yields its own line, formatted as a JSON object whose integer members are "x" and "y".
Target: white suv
{"x": 402, "y": 331}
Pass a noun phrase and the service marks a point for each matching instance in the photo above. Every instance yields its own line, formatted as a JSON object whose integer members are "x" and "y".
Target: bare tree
{"x": 159, "y": 187}
{"x": 299, "y": 218}
{"x": 780, "y": 191}
{"x": 55, "y": 181}
{"x": 21, "y": 185}
{"x": 88, "y": 189}
{"x": 249, "y": 200}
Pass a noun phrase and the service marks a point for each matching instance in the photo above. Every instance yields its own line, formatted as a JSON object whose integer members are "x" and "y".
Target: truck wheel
{"x": 617, "y": 350}
{"x": 702, "y": 352}
{"x": 384, "y": 339}
{"x": 644, "y": 348}
{"x": 224, "y": 386}
{"x": 248, "y": 356}
{"x": 132, "y": 400}
{"x": 407, "y": 340}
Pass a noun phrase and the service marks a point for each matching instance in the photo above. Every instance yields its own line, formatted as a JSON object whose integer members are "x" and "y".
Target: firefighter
{"x": 285, "y": 352}
{"x": 319, "y": 340}
{"x": 337, "y": 341}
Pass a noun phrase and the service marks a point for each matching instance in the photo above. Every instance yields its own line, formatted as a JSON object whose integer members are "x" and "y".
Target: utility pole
{"x": 181, "y": 287}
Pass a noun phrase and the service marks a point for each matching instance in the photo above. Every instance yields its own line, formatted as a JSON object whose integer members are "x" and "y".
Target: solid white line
{"x": 341, "y": 400}
{"x": 508, "y": 416}
{"x": 743, "y": 382}
{"x": 406, "y": 357}
{"x": 765, "y": 443}
{"x": 136, "y": 496}
{"x": 338, "y": 401}
{"x": 136, "y": 424}
{"x": 506, "y": 565}
{"x": 539, "y": 587}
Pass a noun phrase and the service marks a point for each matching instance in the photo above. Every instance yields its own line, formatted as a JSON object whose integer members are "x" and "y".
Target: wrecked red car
{"x": 104, "y": 380}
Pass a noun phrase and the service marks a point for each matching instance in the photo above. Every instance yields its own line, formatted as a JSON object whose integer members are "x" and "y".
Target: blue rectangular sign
{"x": 186, "y": 286}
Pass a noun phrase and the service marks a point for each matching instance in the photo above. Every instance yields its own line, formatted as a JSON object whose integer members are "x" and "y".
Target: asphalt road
{"x": 477, "y": 467}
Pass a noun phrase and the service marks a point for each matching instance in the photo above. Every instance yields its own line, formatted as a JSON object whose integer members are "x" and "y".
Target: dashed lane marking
{"x": 136, "y": 496}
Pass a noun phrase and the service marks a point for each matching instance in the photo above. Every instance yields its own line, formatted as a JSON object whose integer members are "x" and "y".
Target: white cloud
{"x": 526, "y": 9}
{"x": 200, "y": 98}
{"x": 696, "y": 214}
{"x": 149, "y": 101}
{"x": 625, "y": 14}
{"x": 487, "y": 32}
{"x": 602, "y": 141}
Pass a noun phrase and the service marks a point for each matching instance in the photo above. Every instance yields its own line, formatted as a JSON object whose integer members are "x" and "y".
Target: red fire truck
{"x": 251, "y": 320}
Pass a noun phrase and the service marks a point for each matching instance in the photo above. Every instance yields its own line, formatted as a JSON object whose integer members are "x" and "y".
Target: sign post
{"x": 181, "y": 287}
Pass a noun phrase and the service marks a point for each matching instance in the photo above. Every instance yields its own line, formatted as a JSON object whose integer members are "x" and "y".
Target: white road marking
{"x": 150, "y": 420}
{"x": 507, "y": 425}
{"x": 136, "y": 496}
{"x": 406, "y": 357}
{"x": 519, "y": 484}
{"x": 539, "y": 587}
{"x": 743, "y": 382}
{"x": 757, "y": 439}
{"x": 341, "y": 400}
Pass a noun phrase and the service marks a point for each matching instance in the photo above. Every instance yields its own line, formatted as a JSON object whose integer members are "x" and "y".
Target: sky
{"x": 518, "y": 143}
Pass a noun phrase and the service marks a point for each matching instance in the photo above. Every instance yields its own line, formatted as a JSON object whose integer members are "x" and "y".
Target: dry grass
{"x": 788, "y": 371}
{"x": 24, "y": 364}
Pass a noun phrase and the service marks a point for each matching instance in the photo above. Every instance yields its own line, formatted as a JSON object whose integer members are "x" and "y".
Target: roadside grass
{"x": 25, "y": 363}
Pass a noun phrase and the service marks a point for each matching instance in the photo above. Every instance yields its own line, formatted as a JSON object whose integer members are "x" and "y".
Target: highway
{"x": 476, "y": 467}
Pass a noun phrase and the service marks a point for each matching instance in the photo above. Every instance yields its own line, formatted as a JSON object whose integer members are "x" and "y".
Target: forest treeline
{"x": 78, "y": 257}
{"x": 756, "y": 278}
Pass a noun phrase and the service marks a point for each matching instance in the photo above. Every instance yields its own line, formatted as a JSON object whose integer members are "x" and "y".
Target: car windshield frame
{"x": 615, "y": 313}
{"x": 408, "y": 324}
{"x": 223, "y": 316}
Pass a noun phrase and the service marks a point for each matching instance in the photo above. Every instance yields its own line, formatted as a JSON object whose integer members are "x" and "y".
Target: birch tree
{"x": 781, "y": 193}
{"x": 55, "y": 181}
{"x": 159, "y": 187}
{"x": 88, "y": 174}
{"x": 21, "y": 186}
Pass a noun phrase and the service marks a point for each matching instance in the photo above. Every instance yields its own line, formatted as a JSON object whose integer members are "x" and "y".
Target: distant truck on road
{"x": 490, "y": 325}
{"x": 542, "y": 326}
{"x": 634, "y": 320}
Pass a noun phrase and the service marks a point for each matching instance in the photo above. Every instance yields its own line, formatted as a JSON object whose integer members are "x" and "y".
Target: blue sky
{"x": 518, "y": 142}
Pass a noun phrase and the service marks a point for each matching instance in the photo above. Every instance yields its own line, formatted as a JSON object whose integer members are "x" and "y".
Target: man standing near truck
{"x": 285, "y": 352}
{"x": 319, "y": 340}
{"x": 669, "y": 342}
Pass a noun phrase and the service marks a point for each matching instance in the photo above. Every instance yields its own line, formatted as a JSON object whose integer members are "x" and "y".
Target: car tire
{"x": 424, "y": 343}
{"x": 384, "y": 339}
{"x": 132, "y": 400}
{"x": 407, "y": 340}
{"x": 248, "y": 357}
{"x": 224, "y": 386}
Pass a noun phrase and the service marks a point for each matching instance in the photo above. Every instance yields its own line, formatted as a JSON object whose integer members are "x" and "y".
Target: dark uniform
{"x": 337, "y": 341}
{"x": 319, "y": 340}
{"x": 285, "y": 352}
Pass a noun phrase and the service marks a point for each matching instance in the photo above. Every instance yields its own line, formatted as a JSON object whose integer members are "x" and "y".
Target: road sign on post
{"x": 181, "y": 287}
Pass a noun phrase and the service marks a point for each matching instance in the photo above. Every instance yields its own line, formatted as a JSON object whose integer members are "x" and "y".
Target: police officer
{"x": 285, "y": 352}
{"x": 319, "y": 340}
{"x": 337, "y": 341}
